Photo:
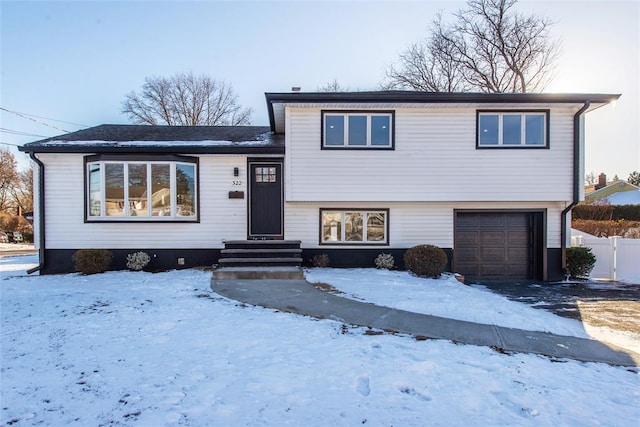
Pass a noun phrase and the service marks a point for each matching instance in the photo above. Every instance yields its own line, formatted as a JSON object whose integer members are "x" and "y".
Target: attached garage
{"x": 499, "y": 245}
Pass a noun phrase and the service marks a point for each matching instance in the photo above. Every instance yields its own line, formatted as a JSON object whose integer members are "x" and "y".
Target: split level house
{"x": 490, "y": 178}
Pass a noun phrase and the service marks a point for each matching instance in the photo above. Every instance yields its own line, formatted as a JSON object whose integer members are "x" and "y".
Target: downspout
{"x": 41, "y": 238}
{"x": 576, "y": 183}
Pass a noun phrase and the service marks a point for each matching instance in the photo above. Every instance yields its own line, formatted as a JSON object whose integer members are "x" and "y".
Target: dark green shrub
{"x": 425, "y": 260}
{"x": 580, "y": 262}
{"x": 91, "y": 261}
{"x": 320, "y": 260}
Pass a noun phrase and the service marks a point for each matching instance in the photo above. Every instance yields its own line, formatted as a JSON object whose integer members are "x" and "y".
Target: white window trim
{"x": 364, "y": 212}
{"x": 523, "y": 136}
{"x": 126, "y": 217}
{"x": 345, "y": 138}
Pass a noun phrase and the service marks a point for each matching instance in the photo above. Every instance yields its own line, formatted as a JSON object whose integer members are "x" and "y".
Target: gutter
{"x": 576, "y": 183}
{"x": 41, "y": 234}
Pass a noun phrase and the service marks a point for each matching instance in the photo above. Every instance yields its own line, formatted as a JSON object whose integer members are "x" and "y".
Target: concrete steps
{"x": 260, "y": 259}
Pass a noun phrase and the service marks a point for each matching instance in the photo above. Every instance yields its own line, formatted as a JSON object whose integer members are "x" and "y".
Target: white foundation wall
{"x": 410, "y": 224}
{"x": 220, "y": 217}
{"x": 435, "y": 159}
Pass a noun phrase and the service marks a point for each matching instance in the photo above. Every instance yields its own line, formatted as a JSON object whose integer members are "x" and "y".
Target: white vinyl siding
{"x": 410, "y": 224}
{"x": 435, "y": 159}
{"x": 220, "y": 217}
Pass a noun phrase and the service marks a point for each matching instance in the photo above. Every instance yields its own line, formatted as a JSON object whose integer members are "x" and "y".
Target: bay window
{"x": 134, "y": 190}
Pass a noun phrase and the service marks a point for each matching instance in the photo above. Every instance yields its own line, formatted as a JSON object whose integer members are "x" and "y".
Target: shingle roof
{"x": 183, "y": 139}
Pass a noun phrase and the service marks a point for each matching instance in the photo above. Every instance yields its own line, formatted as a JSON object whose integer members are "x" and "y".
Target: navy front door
{"x": 265, "y": 200}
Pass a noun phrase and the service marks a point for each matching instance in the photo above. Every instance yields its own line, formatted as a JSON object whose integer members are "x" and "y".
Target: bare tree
{"x": 22, "y": 192}
{"x": 590, "y": 178}
{"x": 634, "y": 178}
{"x": 186, "y": 100}
{"x": 333, "y": 86}
{"x": 8, "y": 179}
{"x": 488, "y": 48}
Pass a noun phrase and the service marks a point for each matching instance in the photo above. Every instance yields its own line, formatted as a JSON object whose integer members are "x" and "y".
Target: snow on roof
{"x": 624, "y": 198}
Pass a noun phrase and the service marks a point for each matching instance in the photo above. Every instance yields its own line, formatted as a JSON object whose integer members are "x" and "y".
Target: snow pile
{"x": 142, "y": 349}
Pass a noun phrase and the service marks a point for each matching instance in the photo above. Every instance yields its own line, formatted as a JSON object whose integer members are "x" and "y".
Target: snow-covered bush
{"x": 91, "y": 261}
{"x": 385, "y": 261}
{"x": 137, "y": 261}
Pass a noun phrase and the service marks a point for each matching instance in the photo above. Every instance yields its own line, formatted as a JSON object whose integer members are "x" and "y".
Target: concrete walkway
{"x": 299, "y": 296}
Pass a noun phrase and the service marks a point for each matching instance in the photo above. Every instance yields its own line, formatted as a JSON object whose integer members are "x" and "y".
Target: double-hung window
{"x": 141, "y": 190}
{"x": 513, "y": 129}
{"x": 354, "y": 226}
{"x": 357, "y": 129}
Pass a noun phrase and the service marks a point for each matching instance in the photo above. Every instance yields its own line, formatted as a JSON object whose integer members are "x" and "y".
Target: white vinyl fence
{"x": 617, "y": 258}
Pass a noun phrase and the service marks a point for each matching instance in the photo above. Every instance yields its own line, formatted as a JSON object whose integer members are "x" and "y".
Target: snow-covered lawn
{"x": 446, "y": 297}
{"x": 142, "y": 349}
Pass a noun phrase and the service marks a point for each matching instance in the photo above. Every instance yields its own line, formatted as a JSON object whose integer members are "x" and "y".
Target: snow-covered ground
{"x": 142, "y": 349}
{"x": 446, "y": 297}
{"x": 10, "y": 247}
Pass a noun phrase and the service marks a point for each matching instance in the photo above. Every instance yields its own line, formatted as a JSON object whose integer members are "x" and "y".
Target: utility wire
{"x": 33, "y": 120}
{"x": 8, "y": 143}
{"x": 49, "y": 118}
{"x": 17, "y": 132}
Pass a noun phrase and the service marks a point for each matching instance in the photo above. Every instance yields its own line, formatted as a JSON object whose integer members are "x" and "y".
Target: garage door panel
{"x": 518, "y": 238}
{"x": 492, "y": 238}
{"x": 468, "y": 238}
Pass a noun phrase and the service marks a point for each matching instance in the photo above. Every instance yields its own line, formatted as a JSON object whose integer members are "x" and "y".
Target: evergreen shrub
{"x": 580, "y": 262}
{"x": 92, "y": 261}
{"x": 425, "y": 260}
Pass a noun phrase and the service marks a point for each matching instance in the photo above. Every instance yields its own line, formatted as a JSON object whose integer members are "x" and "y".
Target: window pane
{"x": 185, "y": 190}
{"x": 511, "y": 129}
{"x": 381, "y": 130}
{"x": 95, "y": 187}
{"x": 161, "y": 190}
{"x": 375, "y": 227}
{"x": 357, "y": 130}
{"x": 331, "y": 226}
{"x": 334, "y": 130}
{"x": 353, "y": 226}
{"x": 114, "y": 189}
{"x": 534, "y": 129}
{"x": 488, "y": 129}
{"x": 138, "y": 190}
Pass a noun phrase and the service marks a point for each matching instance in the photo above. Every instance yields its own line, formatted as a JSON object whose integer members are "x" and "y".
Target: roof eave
{"x": 74, "y": 149}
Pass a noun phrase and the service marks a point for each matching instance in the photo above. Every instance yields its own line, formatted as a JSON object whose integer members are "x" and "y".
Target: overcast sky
{"x": 75, "y": 61}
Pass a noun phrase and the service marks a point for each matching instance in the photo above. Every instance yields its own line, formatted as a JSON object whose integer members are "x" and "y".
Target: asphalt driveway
{"x": 612, "y": 304}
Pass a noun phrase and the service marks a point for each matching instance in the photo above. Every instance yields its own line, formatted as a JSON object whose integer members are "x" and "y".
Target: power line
{"x": 33, "y": 120}
{"x": 8, "y": 143}
{"x": 17, "y": 132}
{"x": 49, "y": 118}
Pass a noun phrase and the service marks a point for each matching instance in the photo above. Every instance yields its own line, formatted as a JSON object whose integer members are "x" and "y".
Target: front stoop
{"x": 258, "y": 273}
{"x": 260, "y": 259}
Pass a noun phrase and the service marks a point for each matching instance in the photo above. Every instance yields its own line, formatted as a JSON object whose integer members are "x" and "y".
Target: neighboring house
{"x": 491, "y": 178}
{"x": 604, "y": 191}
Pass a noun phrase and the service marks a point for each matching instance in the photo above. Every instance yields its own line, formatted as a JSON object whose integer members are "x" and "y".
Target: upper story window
{"x": 513, "y": 129}
{"x": 357, "y": 129}
{"x": 135, "y": 190}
